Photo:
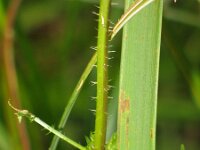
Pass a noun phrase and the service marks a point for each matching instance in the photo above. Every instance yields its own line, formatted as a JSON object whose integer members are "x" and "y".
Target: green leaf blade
{"x": 139, "y": 79}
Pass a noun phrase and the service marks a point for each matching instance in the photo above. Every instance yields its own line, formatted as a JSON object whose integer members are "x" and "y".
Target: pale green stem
{"x": 31, "y": 117}
{"x": 72, "y": 99}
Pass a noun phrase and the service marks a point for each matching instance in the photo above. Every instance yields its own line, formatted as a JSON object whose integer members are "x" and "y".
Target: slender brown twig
{"x": 10, "y": 70}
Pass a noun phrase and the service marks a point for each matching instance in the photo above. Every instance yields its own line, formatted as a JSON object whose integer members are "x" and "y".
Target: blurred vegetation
{"x": 52, "y": 41}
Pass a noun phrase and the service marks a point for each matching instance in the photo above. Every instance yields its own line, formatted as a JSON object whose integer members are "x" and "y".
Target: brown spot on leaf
{"x": 124, "y": 103}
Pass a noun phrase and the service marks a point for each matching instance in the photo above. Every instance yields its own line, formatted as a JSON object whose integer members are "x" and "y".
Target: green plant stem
{"x": 57, "y": 133}
{"x": 31, "y": 117}
{"x": 102, "y": 87}
{"x": 85, "y": 74}
{"x": 73, "y": 98}
{"x": 81, "y": 82}
{"x": 18, "y": 133}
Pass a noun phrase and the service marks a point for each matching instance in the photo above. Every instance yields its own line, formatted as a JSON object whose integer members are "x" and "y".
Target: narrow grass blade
{"x": 131, "y": 11}
{"x": 139, "y": 79}
{"x": 73, "y": 98}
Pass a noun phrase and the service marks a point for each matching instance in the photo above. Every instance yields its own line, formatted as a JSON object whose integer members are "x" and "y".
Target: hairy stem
{"x": 102, "y": 87}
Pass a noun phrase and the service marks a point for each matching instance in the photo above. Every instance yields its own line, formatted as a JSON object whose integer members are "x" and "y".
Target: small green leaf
{"x": 90, "y": 141}
{"x": 112, "y": 144}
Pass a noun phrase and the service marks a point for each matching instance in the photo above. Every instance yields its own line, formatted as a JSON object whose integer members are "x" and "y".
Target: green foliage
{"x": 51, "y": 50}
{"x": 139, "y": 79}
{"x": 112, "y": 144}
{"x": 90, "y": 141}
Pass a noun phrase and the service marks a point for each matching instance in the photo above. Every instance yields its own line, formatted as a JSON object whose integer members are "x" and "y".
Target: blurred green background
{"x": 52, "y": 41}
